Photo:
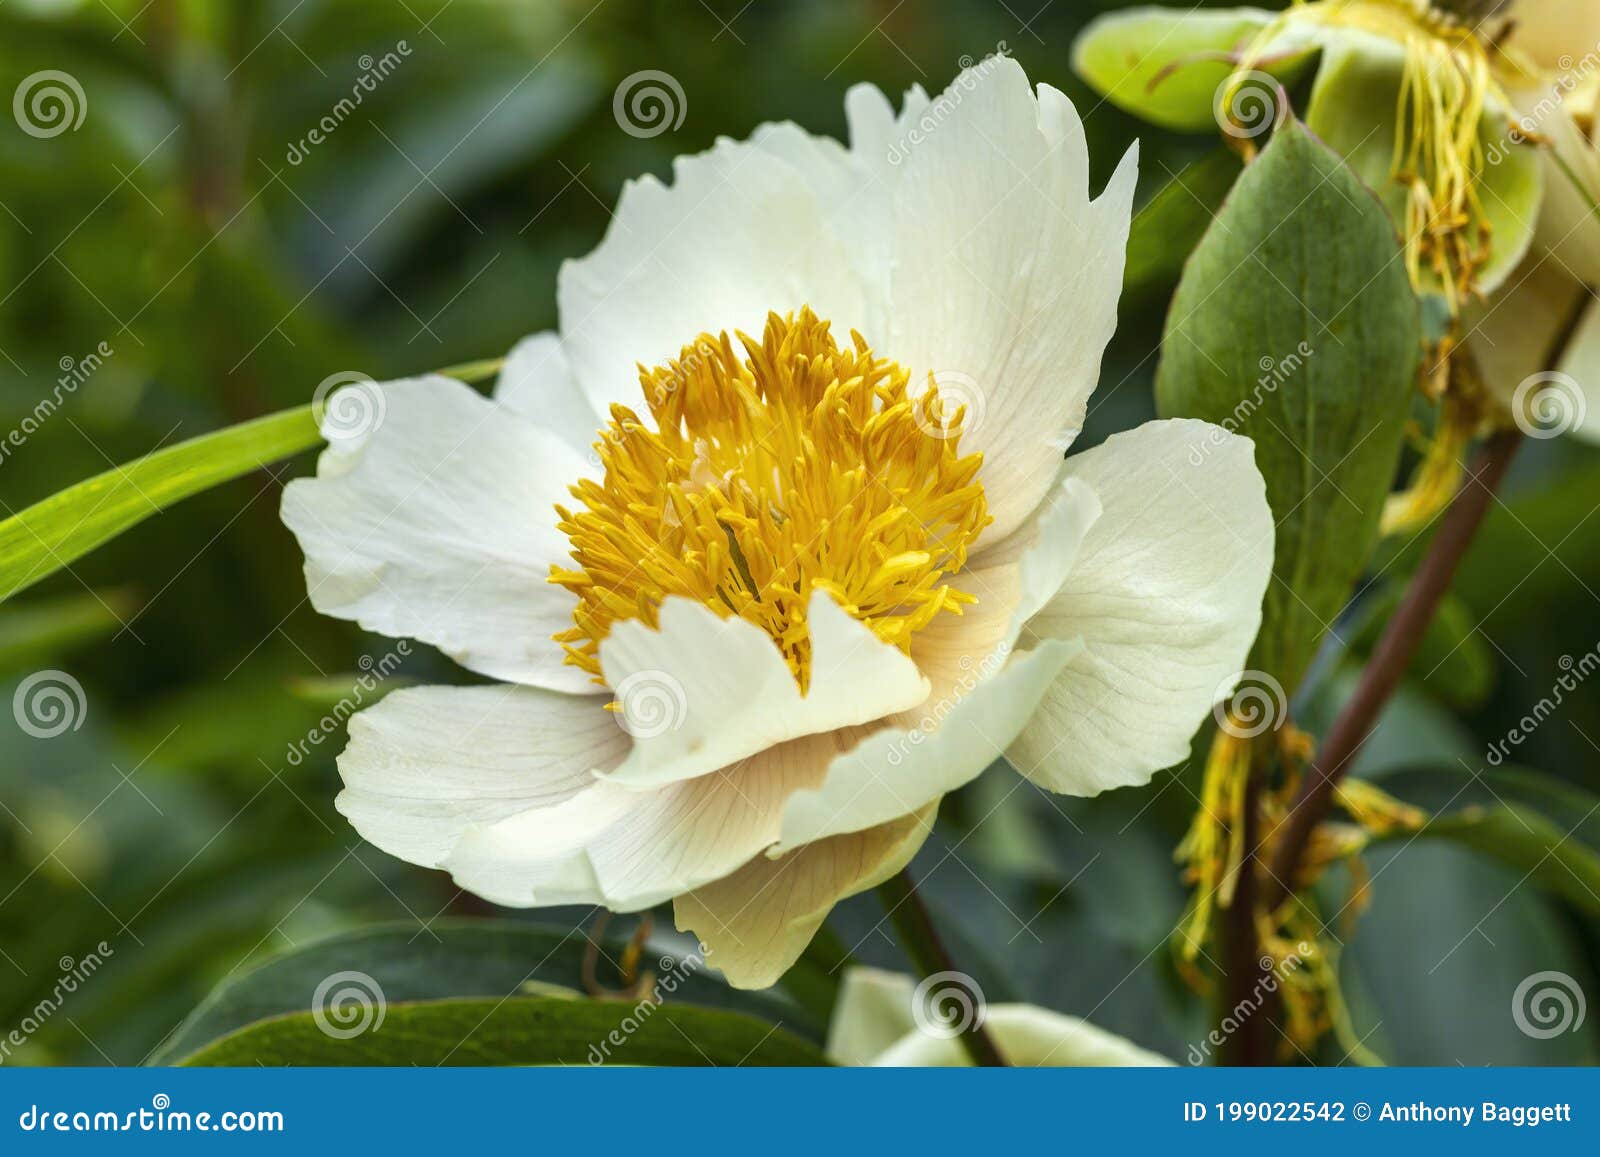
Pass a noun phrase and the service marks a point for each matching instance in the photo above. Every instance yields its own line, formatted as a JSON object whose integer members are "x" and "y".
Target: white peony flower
{"x": 884, "y": 1019}
{"x": 815, "y": 596}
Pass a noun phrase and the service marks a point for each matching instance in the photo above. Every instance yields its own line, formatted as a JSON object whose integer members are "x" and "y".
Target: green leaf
{"x": 1353, "y": 107}
{"x": 519, "y": 1031}
{"x": 1295, "y": 325}
{"x": 1544, "y": 829}
{"x": 453, "y": 958}
{"x": 1172, "y": 223}
{"x": 1165, "y": 65}
{"x": 1433, "y": 967}
{"x": 52, "y": 534}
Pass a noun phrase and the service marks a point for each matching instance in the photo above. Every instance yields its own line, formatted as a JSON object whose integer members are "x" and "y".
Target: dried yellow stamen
{"x": 796, "y": 467}
{"x": 1447, "y": 86}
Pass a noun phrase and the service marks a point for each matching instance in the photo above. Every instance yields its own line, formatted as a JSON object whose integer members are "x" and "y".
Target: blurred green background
{"x": 228, "y": 278}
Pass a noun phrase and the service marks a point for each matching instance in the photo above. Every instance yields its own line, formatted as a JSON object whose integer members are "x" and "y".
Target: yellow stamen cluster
{"x": 773, "y": 469}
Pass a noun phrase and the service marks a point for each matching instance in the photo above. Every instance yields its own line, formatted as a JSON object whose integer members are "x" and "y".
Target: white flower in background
{"x": 846, "y": 597}
{"x": 1513, "y": 333}
{"x": 876, "y": 1022}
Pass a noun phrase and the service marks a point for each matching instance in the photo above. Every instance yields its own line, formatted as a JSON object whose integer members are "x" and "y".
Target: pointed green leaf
{"x": 1545, "y": 829}
{"x": 519, "y": 1031}
{"x": 52, "y": 534}
{"x": 1295, "y": 325}
{"x": 455, "y": 958}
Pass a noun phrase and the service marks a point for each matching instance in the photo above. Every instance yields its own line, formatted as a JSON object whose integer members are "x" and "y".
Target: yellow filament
{"x": 773, "y": 469}
{"x": 1447, "y": 85}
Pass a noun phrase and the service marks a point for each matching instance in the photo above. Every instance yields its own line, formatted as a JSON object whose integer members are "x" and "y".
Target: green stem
{"x": 920, "y": 940}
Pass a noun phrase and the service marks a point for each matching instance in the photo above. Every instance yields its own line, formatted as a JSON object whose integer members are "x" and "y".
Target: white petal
{"x": 739, "y": 233}
{"x": 440, "y": 526}
{"x": 1006, "y": 275}
{"x": 874, "y": 1004}
{"x": 1557, "y": 34}
{"x": 1512, "y": 334}
{"x": 879, "y": 136}
{"x": 1582, "y": 366}
{"x": 630, "y": 849}
{"x": 704, "y": 692}
{"x": 895, "y": 772}
{"x": 756, "y": 922}
{"x": 1569, "y": 228}
{"x": 1012, "y": 580}
{"x": 982, "y": 691}
{"x": 426, "y": 763}
{"x": 1165, "y": 595}
{"x": 537, "y": 383}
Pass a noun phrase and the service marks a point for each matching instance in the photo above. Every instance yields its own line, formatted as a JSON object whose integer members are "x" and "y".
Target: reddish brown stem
{"x": 1389, "y": 661}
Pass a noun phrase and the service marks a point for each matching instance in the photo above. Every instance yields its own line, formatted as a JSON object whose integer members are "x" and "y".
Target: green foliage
{"x": 1546, "y": 830}
{"x": 456, "y": 958}
{"x": 1294, "y": 325}
{"x": 54, "y": 533}
{"x": 520, "y": 1031}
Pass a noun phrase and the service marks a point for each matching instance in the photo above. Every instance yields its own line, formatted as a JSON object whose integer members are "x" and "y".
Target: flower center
{"x": 774, "y": 469}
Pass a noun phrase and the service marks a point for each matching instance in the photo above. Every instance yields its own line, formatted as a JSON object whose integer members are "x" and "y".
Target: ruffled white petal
{"x": 756, "y": 922}
{"x": 1569, "y": 227}
{"x": 896, "y": 771}
{"x": 874, "y": 1023}
{"x": 738, "y": 234}
{"x": 1165, "y": 596}
{"x": 1011, "y": 580}
{"x": 440, "y": 525}
{"x": 983, "y": 690}
{"x": 426, "y": 763}
{"x": 1006, "y": 275}
{"x": 537, "y": 383}
{"x": 703, "y": 692}
{"x": 630, "y": 849}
